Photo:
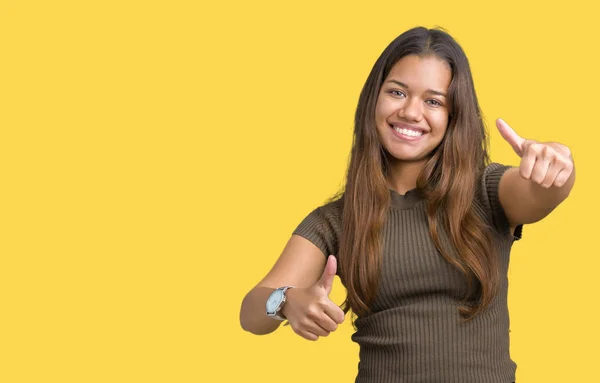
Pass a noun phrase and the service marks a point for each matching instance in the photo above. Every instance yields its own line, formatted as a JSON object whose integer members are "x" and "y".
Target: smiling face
{"x": 412, "y": 108}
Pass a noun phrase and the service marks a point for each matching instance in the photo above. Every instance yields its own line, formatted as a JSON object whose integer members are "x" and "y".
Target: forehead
{"x": 428, "y": 72}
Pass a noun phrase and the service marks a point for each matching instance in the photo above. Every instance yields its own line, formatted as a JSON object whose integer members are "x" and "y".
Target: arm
{"x": 300, "y": 264}
{"x": 525, "y": 201}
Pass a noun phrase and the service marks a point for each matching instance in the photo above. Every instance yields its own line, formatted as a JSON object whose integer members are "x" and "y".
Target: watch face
{"x": 274, "y": 300}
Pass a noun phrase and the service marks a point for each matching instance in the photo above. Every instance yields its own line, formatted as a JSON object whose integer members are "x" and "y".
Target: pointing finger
{"x": 510, "y": 136}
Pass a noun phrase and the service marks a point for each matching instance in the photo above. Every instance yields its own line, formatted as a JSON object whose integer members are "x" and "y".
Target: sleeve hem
{"x": 311, "y": 229}
{"x": 492, "y": 180}
{"x": 313, "y": 240}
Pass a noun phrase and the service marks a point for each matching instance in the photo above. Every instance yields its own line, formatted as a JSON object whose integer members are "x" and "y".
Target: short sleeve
{"x": 490, "y": 186}
{"x": 323, "y": 227}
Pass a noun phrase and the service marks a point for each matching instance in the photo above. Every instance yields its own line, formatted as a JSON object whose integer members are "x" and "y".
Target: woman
{"x": 421, "y": 234}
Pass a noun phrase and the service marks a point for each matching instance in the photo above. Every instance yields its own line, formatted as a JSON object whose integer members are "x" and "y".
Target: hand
{"x": 545, "y": 163}
{"x": 309, "y": 311}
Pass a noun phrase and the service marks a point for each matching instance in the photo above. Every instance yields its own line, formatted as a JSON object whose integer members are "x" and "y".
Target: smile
{"x": 407, "y": 133}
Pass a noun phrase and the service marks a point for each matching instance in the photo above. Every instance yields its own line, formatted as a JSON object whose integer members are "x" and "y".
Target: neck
{"x": 403, "y": 175}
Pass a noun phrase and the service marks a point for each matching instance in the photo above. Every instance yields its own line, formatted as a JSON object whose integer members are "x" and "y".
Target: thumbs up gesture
{"x": 545, "y": 163}
{"x": 309, "y": 311}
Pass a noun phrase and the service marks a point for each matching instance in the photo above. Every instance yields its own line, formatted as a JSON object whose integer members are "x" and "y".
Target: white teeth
{"x": 408, "y": 132}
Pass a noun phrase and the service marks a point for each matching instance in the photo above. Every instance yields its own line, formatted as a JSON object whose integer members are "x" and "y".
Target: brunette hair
{"x": 449, "y": 182}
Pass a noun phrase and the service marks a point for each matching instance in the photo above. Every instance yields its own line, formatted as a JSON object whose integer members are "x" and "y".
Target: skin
{"x": 309, "y": 310}
{"x": 412, "y": 94}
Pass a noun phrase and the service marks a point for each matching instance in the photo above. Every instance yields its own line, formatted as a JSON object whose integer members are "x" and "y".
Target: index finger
{"x": 510, "y": 136}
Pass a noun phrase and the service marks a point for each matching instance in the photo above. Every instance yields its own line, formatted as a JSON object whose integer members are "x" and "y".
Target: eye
{"x": 397, "y": 93}
{"x": 434, "y": 103}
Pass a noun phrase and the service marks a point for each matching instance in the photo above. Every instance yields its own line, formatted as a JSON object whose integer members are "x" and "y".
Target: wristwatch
{"x": 275, "y": 303}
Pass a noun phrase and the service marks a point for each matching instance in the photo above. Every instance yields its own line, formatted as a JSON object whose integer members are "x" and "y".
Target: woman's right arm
{"x": 308, "y": 308}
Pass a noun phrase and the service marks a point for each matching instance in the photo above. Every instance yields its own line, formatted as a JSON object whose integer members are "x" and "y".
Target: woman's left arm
{"x": 542, "y": 181}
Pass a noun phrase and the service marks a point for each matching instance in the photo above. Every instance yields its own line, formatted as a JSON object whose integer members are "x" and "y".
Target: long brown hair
{"x": 449, "y": 182}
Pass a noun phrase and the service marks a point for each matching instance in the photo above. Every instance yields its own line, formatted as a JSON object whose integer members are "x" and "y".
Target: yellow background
{"x": 156, "y": 155}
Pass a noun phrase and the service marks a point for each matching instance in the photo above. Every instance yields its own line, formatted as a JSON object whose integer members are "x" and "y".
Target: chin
{"x": 403, "y": 156}
{"x": 408, "y": 157}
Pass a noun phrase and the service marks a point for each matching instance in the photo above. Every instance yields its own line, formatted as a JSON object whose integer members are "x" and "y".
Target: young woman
{"x": 421, "y": 234}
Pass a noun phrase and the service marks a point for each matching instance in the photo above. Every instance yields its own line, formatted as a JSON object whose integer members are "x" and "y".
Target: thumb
{"x": 326, "y": 280}
{"x": 508, "y": 133}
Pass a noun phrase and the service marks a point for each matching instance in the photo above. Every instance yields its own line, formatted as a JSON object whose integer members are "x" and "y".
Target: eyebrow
{"x": 436, "y": 92}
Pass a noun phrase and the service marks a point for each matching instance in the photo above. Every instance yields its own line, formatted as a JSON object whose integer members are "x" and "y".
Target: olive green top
{"x": 414, "y": 332}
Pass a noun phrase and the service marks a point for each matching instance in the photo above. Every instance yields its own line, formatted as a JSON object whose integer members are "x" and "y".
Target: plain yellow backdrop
{"x": 155, "y": 157}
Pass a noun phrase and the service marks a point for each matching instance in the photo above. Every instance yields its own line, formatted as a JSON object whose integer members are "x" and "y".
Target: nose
{"x": 411, "y": 110}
